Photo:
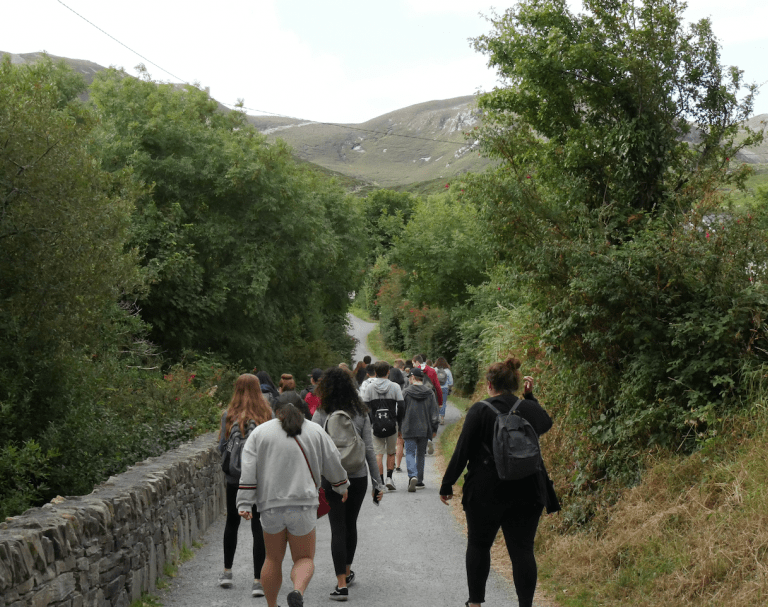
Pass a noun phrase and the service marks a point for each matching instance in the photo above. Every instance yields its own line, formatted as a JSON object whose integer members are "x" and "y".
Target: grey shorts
{"x": 386, "y": 445}
{"x": 298, "y": 520}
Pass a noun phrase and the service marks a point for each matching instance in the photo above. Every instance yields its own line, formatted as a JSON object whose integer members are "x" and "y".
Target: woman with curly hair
{"x": 247, "y": 404}
{"x": 337, "y": 392}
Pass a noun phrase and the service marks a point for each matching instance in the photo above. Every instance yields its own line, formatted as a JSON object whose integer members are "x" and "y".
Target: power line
{"x": 354, "y": 128}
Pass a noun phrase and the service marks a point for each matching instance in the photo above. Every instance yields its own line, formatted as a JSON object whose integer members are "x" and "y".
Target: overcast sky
{"x": 333, "y": 61}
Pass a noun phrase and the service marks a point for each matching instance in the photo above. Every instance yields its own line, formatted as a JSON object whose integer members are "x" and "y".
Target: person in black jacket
{"x": 491, "y": 503}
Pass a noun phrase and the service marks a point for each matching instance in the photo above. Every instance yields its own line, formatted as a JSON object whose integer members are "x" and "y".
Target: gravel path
{"x": 410, "y": 552}
{"x": 360, "y": 330}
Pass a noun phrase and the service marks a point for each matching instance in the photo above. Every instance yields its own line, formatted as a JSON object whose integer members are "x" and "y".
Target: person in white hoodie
{"x": 283, "y": 460}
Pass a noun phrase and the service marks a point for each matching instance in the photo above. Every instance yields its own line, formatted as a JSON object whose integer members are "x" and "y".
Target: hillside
{"x": 414, "y": 148}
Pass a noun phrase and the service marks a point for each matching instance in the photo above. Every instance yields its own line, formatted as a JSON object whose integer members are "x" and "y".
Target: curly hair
{"x": 337, "y": 391}
{"x": 247, "y": 403}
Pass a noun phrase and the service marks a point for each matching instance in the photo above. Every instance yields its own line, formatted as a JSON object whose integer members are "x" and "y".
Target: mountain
{"x": 425, "y": 143}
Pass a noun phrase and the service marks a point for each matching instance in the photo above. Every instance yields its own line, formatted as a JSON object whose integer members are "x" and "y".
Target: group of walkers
{"x": 291, "y": 454}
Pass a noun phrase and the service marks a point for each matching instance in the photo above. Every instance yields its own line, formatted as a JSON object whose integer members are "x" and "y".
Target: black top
{"x": 482, "y": 482}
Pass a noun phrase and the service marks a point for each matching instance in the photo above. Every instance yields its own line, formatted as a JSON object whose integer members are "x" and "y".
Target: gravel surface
{"x": 410, "y": 552}
{"x": 359, "y": 330}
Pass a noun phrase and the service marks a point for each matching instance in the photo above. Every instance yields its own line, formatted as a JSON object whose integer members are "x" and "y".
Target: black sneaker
{"x": 419, "y": 485}
{"x": 295, "y": 599}
{"x": 350, "y": 578}
{"x": 398, "y": 469}
{"x": 340, "y": 594}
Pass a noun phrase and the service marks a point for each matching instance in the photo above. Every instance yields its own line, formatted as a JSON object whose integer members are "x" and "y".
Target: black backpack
{"x": 232, "y": 458}
{"x": 383, "y": 422}
{"x": 516, "y": 450}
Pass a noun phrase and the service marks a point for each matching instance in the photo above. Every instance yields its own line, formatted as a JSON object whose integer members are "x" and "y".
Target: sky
{"x": 344, "y": 61}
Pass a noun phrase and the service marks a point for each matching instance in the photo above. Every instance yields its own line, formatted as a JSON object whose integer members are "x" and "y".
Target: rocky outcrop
{"x": 109, "y": 547}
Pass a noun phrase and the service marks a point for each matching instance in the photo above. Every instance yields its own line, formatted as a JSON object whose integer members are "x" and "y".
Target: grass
{"x": 758, "y": 179}
{"x": 147, "y": 600}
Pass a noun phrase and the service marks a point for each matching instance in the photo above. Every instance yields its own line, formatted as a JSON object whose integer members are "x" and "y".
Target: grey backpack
{"x": 341, "y": 429}
{"x": 232, "y": 457}
{"x": 516, "y": 450}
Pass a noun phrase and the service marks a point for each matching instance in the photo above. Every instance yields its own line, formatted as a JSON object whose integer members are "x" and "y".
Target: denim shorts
{"x": 298, "y": 520}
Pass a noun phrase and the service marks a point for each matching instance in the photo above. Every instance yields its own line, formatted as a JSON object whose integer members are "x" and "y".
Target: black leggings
{"x": 343, "y": 519}
{"x": 230, "y": 533}
{"x": 518, "y": 523}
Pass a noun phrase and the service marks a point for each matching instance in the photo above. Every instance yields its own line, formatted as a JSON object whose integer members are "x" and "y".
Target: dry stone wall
{"x": 110, "y": 547}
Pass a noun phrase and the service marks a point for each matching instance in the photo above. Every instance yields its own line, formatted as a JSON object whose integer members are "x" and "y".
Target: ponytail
{"x": 291, "y": 419}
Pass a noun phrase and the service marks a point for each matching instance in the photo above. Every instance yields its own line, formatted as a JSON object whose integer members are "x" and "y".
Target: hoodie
{"x": 380, "y": 393}
{"x": 421, "y": 416}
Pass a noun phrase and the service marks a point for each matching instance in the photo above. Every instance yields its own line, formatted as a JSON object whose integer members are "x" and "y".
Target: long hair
{"x": 337, "y": 391}
{"x": 247, "y": 403}
{"x": 504, "y": 376}
{"x": 266, "y": 381}
{"x": 441, "y": 363}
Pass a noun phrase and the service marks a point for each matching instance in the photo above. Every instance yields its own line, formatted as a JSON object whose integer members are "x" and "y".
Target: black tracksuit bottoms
{"x": 230, "y": 533}
{"x": 518, "y": 522}
{"x": 343, "y": 520}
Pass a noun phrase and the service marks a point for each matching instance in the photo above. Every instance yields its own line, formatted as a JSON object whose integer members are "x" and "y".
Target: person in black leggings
{"x": 491, "y": 503}
{"x": 337, "y": 391}
{"x": 248, "y": 404}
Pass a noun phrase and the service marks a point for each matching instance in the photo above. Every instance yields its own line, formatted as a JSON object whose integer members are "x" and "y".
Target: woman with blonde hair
{"x": 247, "y": 404}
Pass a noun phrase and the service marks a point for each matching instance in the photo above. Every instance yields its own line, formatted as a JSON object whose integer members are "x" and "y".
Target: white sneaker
{"x": 412, "y": 484}
{"x": 391, "y": 484}
{"x": 430, "y": 448}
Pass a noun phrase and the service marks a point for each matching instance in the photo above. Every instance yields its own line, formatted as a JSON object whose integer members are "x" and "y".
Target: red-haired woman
{"x": 248, "y": 403}
{"x": 491, "y": 503}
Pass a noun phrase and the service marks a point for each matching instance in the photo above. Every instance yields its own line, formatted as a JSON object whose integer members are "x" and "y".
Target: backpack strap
{"x": 306, "y": 460}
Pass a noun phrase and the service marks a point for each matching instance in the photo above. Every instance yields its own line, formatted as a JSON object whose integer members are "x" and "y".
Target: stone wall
{"x": 109, "y": 547}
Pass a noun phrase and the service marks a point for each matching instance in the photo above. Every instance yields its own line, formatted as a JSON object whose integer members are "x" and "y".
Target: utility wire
{"x": 354, "y": 128}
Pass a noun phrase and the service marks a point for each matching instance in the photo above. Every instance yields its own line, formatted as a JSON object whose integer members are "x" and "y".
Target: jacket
{"x": 421, "y": 416}
{"x": 275, "y": 473}
{"x": 432, "y": 375}
{"x": 482, "y": 482}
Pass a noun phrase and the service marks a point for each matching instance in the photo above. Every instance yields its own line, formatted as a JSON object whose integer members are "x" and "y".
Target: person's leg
{"x": 421, "y": 455}
{"x": 410, "y": 457}
{"x": 380, "y": 462}
{"x": 258, "y": 545}
{"x": 482, "y": 525}
{"x": 272, "y": 571}
{"x": 303, "y": 555}
{"x": 358, "y": 489}
{"x": 519, "y": 527}
{"x": 399, "y": 451}
{"x": 231, "y": 526}
{"x": 337, "y": 517}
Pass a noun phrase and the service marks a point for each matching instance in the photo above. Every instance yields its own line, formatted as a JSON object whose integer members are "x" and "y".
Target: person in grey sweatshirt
{"x": 419, "y": 425}
{"x": 283, "y": 461}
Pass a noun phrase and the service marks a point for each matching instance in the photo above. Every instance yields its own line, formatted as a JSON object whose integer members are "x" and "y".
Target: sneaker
{"x": 419, "y": 485}
{"x": 412, "y": 484}
{"x": 430, "y": 448}
{"x": 350, "y": 578}
{"x": 340, "y": 594}
{"x": 225, "y": 579}
{"x": 390, "y": 486}
{"x": 257, "y": 590}
{"x": 398, "y": 469}
{"x": 442, "y": 420}
{"x": 295, "y": 599}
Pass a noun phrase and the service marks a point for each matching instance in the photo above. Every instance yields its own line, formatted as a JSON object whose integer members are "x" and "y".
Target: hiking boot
{"x": 295, "y": 599}
{"x": 412, "y": 484}
{"x": 350, "y": 578}
{"x": 419, "y": 485}
{"x": 257, "y": 590}
{"x": 430, "y": 448}
{"x": 390, "y": 486}
{"x": 340, "y": 594}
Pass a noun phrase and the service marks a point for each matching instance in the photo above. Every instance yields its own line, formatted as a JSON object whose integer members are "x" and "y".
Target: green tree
{"x": 615, "y": 128}
{"x": 247, "y": 253}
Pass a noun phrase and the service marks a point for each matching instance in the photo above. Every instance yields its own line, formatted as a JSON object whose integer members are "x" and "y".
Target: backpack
{"x": 341, "y": 429}
{"x": 232, "y": 458}
{"x": 516, "y": 450}
{"x": 382, "y": 421}
{"x": 442, "y": 376}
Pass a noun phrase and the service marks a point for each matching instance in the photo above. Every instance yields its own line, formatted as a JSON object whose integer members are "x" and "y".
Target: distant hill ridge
{"x": 420, "y": 143}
